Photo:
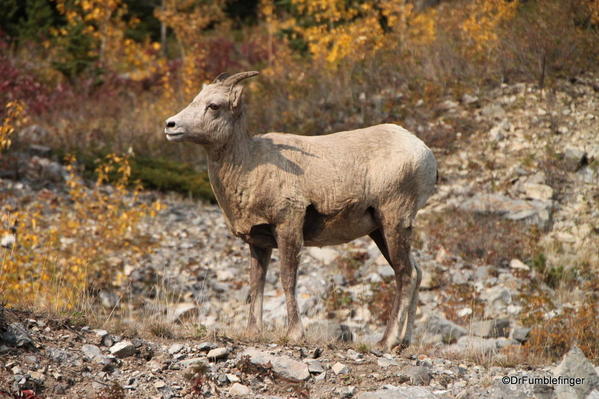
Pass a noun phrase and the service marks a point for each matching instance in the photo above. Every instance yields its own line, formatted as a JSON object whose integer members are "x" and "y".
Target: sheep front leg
{"x": 259, "y": 260}
{"x": 289, "y": 242}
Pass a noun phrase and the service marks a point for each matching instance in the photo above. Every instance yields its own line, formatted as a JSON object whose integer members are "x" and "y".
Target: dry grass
{"x": 480, "y": 238}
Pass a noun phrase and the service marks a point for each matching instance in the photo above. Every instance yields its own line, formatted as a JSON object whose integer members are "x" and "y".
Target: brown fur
{"x": 287, "y": 191}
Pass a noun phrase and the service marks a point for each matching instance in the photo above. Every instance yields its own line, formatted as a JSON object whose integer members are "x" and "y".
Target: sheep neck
{"x": 228, "y": 172}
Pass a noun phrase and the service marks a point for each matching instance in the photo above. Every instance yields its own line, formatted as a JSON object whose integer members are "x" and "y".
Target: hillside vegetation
{"x": 119, "y": 278}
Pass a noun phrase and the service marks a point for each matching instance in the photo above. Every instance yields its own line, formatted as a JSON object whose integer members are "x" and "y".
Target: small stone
{"x": 159, "y": 384}
{"x": 218, "y": 353}
{"x": 355, "y": 356}
{"x": 340, "y": 368}
{"x": 123, "y": 349}
{"x": 345, "y": 392}
{"x": 419, "y": 375}
{"x": 324, "y": 255}
{"x": 384, "y": 363}
{"x": 464, "y": 312}
{"x": 538, "y": 191}
{"x": 92, "y": 352}
{"x": 194, "y": 361}
{"x": 517, "y": 264}
{"x": 232, "y": 378}
{"x": 447, "y": 329}
{"x": 238, "y": 389}
{"x": 521, "y": 334}
{"x": 574, "y": 158}
{"x": 206, "y": 346}
{"x": 469, "y": 99}
{"x": 175, "y": 348}
{"x": 314, "y": 366}
{"x": 281, "y": 365}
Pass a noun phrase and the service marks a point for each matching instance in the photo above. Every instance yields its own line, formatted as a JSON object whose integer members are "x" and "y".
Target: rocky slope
{"x": 528, "y": 157}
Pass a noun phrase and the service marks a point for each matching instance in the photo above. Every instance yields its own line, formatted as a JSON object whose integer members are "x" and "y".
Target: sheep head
{"x": 213, "y": 114}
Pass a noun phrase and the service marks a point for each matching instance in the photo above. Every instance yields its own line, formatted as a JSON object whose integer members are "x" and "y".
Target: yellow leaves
{"x": 61, "y": 249}
{"x": 14, "y": 118}
{"x": 341, "y": 30}
{"x": 594, "y": 11}
{"x": 484, "y": 17}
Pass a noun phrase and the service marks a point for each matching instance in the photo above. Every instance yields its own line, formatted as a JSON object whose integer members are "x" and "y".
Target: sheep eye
{"x": 214, "y": 107}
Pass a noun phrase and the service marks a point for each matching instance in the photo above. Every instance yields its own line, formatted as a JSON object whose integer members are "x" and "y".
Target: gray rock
{"x": 384, "y": 362}
{"x": 340, "y": 368}
{"x": 447, "y": 329}
{"x": 109, "y": 299}
{"x": 218, "y": 353}
{"x": 281, "y": 365}
{"x": 536, "y": 211}
{"x": 385, "y": 271}
{"x": 314, "y": 366}
{"x": 324, "y": 255}
{"x": 469, "y": 99}
{"x": 193, "y": 362}
{"x": 419, "y": 375}
{"x": 238, "y": 389}
{"x": 520, "y": 334}
{"x": 574, "y": 158}
{"x": 345, "y": 392}
{"x": 123, "y": 349}
{"x": 92, "y": 352}
{"x": 593, "y": 395}
{"x": 537, "y": 191}
{"x": 175, "y": 348}
{"x": 329, "y": 330}
{"x": 206, "y": 346}
{"x": 490, "y": 328}
{"x": 497, "y": 300}
{"x": 392, "y": 392}
{"x": 576, "y": 365}
{"x": 16, "y": 335}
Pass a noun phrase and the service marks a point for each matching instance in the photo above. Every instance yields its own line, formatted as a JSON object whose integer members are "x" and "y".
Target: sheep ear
{"x": 221, "y": 77}
{"x": 235, "y": 96}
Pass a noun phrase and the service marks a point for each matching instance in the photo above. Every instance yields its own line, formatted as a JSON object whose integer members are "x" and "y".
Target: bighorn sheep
{"x": 286, "y": 191}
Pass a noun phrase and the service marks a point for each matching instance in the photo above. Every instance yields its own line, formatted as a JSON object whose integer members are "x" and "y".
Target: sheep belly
{"x": 347, "y": 225}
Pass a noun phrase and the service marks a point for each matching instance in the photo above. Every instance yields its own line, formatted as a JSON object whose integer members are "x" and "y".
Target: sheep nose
{"x": 170, "y": 124}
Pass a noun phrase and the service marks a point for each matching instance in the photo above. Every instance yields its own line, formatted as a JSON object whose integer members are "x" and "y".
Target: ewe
{"x": 285, "y": 191}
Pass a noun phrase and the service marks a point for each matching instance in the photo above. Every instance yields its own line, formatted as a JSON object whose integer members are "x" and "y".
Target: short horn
{"x": 238, "y": 77}
{"x": 221, "y": 77}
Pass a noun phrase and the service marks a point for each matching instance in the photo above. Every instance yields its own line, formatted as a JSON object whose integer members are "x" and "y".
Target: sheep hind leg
{"x": 411, "y": 301}
{"x": 394, "y": 244}
{"x": 289, "y": 242}
{"x": 259, "y": 260}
